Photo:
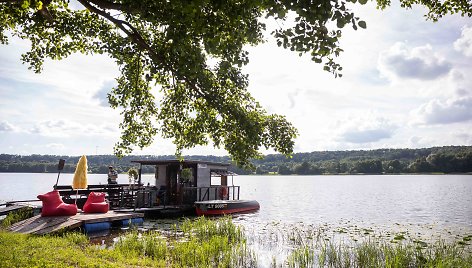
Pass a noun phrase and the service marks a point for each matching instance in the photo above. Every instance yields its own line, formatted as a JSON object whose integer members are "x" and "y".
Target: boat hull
{"x": 223, "y": 207}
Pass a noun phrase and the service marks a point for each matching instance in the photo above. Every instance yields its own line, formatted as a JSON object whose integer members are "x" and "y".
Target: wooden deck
{"x": 168, "y": 211}
{"x": 44, "y": 225}
{"x": 6, "y": 210}
{"x": 16, "y": 205}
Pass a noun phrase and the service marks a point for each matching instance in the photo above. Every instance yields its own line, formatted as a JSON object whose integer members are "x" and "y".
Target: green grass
{"x": 205, "y": 242}
{"x": 202, "y": 243}
{"x": 70, "y": 250}
{"x": 16, "y": 216}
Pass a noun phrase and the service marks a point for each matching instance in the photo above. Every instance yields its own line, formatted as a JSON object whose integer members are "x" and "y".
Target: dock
{"x": 45, "y": 225}
{"x": 7, "y": 210}
{"x": 168, "y": 211}
{"x": 12, "y": 206}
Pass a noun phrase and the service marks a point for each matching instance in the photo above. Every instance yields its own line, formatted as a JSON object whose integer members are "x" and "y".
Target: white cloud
{"x": 453, "y": 106}
{"x": 444, "y": 112}
{"x": 464, "y": 43}
{"x": 365, "y": 129}
{"x": 7, "y": 127}
{"x": 414, "y": 141}
{"x": 463, "y": 136}
{"x": 461, "y": 84}
{"x": 416, "y": 63}
{"x": 102, "y": 94}
{"x": 55, "y": 128}
{"x": 55, "y": 146}
{"x": 62, "y": 128}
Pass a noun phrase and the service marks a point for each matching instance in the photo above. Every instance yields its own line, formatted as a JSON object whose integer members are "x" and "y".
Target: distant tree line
{"x": 450, "y": 159}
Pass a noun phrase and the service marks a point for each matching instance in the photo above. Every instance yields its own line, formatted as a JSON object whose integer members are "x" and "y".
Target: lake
{"x": 379, "y": 199}
{"x": 426, "y": 206}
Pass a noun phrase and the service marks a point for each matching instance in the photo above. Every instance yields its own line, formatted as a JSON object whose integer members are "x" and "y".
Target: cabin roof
{"x": 218, "y": 173}
{"x": 176, "y": 161}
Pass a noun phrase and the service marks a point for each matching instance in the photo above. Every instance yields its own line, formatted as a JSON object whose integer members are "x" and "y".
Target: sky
{"x": 407, "y": 83}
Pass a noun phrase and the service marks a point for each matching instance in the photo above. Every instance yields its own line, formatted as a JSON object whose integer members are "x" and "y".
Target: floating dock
{"x": 45, "y": 225}
{"x": 169, "y": 211}
{"x": 8, "y": 207}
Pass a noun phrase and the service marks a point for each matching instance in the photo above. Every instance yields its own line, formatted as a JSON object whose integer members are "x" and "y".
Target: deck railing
{"x": 119, "y": 195}
{"x": 131, "y": 196}
{"x": 192, "y": 194}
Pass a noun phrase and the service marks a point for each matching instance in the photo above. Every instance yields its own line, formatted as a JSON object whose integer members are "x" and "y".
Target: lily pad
{"x": 399, "y": 237}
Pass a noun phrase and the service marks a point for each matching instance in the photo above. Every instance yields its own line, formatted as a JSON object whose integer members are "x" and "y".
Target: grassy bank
{"x": 220, "y": 243}
{"x": 197, "y": 243}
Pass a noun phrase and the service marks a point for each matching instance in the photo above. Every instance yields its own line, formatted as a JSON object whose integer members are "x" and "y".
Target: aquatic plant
{"x": 212, "y": 243}
{"x": 203, "y": 228}
{"x": 376, "y": 253}
{"x": 195, "y": 243}
{"x": 203, "y": 242}
{"x": 301, "y": 257}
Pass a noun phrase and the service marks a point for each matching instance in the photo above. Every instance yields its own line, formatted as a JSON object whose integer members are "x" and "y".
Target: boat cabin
{"x": 182, "y": 183}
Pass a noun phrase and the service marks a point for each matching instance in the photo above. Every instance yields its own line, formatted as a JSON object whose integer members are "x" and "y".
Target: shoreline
{"x": 199, "y": 242}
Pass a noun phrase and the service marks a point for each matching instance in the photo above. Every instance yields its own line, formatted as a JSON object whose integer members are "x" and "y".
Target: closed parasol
{"x": 80, "y": 175}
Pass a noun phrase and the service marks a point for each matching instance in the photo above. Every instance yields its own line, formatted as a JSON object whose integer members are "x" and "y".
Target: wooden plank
{"x": 20, "y": 224}
{"x": 44, "y": 225}
{"x": 38, "y": 223}
{"x": 6, "y": 210}
{"x": 69, "y": 224}
{"x": 109, "y": 216}
{"x": 18, "y": 205}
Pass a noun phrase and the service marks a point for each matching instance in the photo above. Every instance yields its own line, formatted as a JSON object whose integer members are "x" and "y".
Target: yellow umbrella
{"x": 80, "y": 175}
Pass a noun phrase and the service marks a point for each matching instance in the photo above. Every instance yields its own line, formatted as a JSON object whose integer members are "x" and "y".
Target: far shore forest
{"x": 449, "y": 159}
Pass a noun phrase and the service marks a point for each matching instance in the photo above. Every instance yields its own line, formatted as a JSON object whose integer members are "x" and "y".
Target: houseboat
{"x": 180, "y": 188}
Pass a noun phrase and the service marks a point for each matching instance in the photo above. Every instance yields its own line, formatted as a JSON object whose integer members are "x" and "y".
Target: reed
{"x": 212, "y": 243}
{"x": 302, "y": 257}
{"x": 376, "y": 253}
{"x": 220, "y": 243}
{"x": 203, "y": 228}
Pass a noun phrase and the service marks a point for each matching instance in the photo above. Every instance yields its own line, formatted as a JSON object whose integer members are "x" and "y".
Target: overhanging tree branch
{"x": 110, "y": 5}
{"x": 126, "y": 27}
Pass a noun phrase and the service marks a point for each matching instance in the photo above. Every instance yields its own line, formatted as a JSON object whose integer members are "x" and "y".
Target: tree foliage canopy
{"x": 174, "y": 43}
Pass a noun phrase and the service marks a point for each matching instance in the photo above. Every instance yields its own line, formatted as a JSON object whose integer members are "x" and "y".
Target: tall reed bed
{"x": 195, "y": 243}
{"x": 376, "y": 253}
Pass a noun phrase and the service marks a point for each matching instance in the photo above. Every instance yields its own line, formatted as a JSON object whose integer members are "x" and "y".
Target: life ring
{"x": 223, "y": 191}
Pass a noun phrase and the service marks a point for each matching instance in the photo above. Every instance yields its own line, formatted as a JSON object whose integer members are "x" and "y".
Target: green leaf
{"x": 362, "y": 24}
{"x": 25, "y": 4}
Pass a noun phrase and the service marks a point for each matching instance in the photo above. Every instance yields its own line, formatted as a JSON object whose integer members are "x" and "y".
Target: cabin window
{"x": 215, "y": 180}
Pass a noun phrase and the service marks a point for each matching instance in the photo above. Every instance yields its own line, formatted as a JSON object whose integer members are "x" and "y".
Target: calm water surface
{"x": 417, "y": 199}
{"x": 426, "y": 206}
{"x": 445, "y": 199}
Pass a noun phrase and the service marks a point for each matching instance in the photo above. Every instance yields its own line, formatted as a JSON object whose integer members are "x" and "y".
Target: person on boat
{"x": 112, "y": 175}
